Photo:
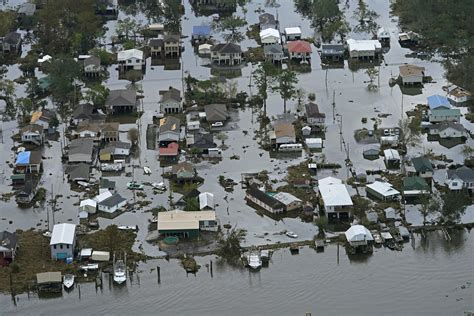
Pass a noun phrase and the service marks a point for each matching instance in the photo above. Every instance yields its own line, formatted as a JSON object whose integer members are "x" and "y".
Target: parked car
{"x": 291, "y": 235}
{"x": 217, "y": 124}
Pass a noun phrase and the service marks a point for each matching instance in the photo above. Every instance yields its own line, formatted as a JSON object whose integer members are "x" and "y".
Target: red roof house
{"x": 169, "y": 152}
{"x": 299, "y": 50}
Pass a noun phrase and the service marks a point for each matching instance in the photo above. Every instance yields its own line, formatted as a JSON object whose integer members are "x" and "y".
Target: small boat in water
{"x": 132, "y": 185}
{"x": 146, "y": 170}
{"x": 68, "y": 281}
{"x": 120, "y": 270}
{"x": 253, "y": 260}
{"x": 377, "y": 238}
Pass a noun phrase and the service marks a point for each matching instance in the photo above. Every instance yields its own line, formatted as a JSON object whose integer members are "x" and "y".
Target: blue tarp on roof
{"x": 201, "y": 30}
{"x": 23, "y": 157}
{"x": 437, "y": 100}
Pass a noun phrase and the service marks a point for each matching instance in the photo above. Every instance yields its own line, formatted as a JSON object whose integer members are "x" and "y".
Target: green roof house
{"x": 414, "y": 186}
{"x": 423, "y": 167}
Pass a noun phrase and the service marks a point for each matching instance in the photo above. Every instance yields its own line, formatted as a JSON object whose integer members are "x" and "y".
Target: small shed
{"x": 314, "y": 143}
{"x": 382, "y": 191}
{"x": 206, "y": 201}
{"x": 293, "y": 33}
{"x": 392, "y": 158}
{"x": 306, "y": 130}
{"x": 49, "y": 281}
{"x": 100, "y": 256}
{"x": 204, "y": 49}
{"x": 390, "y": 214}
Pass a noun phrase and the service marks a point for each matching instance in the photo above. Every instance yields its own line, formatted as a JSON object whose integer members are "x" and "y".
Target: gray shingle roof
{"x": 464, "y": 173}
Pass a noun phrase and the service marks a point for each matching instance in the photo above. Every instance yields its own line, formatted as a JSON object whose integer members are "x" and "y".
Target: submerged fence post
{"x": 158, "y": 273}
{"x": 337, "y": 253}
{"x": 211, "y": 270}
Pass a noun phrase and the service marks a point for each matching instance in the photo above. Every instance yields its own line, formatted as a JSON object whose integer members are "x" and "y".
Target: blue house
{"x": 201, "y": 32}
{"x": 438, "y": 101}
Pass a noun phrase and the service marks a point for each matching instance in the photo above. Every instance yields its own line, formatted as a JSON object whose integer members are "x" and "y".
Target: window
{"x": 67, "y": 246}
{"x": 54, "y": 246}
{"x": 61, "y": 246}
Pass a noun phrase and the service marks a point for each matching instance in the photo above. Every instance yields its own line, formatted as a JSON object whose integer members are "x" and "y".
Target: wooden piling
{"x": 79, "y": 290}
{"x": 337, "y": 253}
{"x": 211, "y": 270}
{"x": 159, "y": 274}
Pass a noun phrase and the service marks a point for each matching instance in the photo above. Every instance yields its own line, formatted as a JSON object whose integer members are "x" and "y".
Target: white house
{"x": 206, "y": 201}
{"x": 458, "y": 94}
{"x": 89, "y": 206}
{"x": 448, "y": 129}
{"x": 112, "y": 203}
{"x": 270, "y": 36}
{"x": 337, "y": 202}
{"x": 33, "y": 134}
{"x": 411, "y": 74}
{"x": 363, "y": 49}
{"x": 103, "y": 196}
{"x": 460, "y": 178}
{"x": 63, "y": 241}
{"x": 358, "y": 235}
{"x": 131, "y": 59}
{"x": 382, "y": 190}
{"x": 292, "y": 33}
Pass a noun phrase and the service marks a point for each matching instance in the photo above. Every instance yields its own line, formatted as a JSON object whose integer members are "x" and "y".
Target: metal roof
{"x": 358, "y": 233}
{"x": 63, "y": 234}
{"x": 437, "y": 100}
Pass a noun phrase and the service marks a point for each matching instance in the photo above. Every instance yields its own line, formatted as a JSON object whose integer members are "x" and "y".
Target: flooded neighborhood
{"x": 257, "y": 157}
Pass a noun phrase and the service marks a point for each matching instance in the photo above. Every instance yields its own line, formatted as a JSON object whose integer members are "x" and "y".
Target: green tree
{"x": 229, "y": 245}
{"x": 222, "y": 137}
{"x": 454, "y": 206}
{"x": 7, "y": 94}
{"x": 127, "y": 28}
{"x": 263, "y": 81}
{"x": 285, "y": 83}
{"x": 7, "y": 22}
{"x": 25, "y": 106}
{"x": 230, "y": 27}
{"x": 133, "y": 136}
{"x": 467, "y": 151}
{"x": 97, "y": 95}
{"x": 64, "y": 73}
{"x": 192, "y": 205}
{"x": 372, "y": 72}
{"x": 409, "y": 134}
{"x": 429, "y": 204}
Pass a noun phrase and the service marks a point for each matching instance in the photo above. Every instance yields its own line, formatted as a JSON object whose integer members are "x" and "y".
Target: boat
{"x": 132, "y": 185}
{"x": 111, "y": 167}
{"x": 377, "y": 238}
{"x": 83, "y": 183}
{"x": 129, "y": 227}
{"x": 47, "y": 234}
{"x": 68, "y": 281}
{"x": 265, "y": 256}
{"x": 120, "y": 270}
{"x": 147, "y": 170}
{"x": 160, "y": 186}
{"x": 253, "y": 260}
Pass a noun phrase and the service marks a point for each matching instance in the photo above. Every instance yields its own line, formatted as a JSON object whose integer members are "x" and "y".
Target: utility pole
{"x": 333, "y": 106}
